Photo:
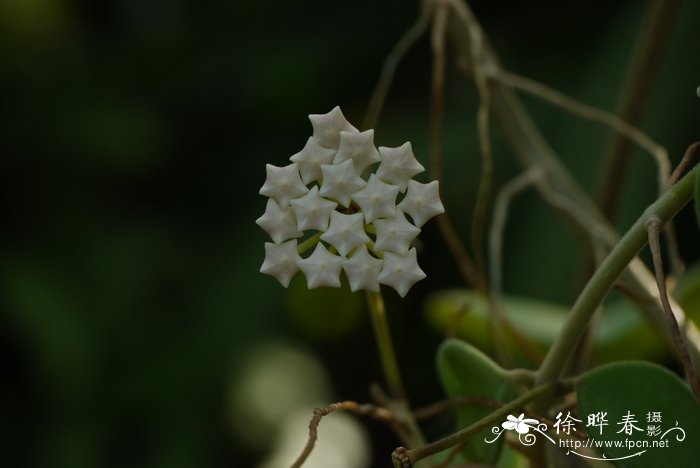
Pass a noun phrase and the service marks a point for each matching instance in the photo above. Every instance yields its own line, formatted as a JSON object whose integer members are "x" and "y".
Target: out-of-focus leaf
{"x": 512, "y": 459}
{"x": 622, "y": 332}
{"x": 633, "y": 390}
{"x": 687, "y": 292}
{"x": 467, "y": 372}
{"x": 468, "y": 312}
{"x": 324, "y": 313}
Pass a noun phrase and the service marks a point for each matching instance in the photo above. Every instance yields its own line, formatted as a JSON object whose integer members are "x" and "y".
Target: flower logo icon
{"x": 520, "y": 424}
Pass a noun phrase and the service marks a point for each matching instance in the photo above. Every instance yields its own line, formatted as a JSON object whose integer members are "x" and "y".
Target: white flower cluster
{"x": 361, "y": 228}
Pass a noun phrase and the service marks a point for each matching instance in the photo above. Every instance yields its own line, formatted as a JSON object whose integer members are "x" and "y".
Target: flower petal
{"x": 340, "y": 181}
{"x": 327, "y": 127}
{"x": 401, "y": 271}
{"x": 281, "y": 261}
{"x": 283, "y": 184}
{"x": 312, "y": 210}
{"x": 362, "y": 270}
{"x": 322, "y": 268}
{"x": 346, "y": 231}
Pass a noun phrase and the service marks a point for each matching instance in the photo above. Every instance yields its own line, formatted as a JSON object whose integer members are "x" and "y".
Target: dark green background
{"x": 133, "y": 139}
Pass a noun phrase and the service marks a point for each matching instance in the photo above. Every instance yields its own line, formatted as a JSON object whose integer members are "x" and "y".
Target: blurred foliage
{"x": 609, "y": 387}
{"x": 620, "y": 331}
{"x": 133, "y": 138}
{"x": 467, "y": 372}
{"x": 311, "y": 314}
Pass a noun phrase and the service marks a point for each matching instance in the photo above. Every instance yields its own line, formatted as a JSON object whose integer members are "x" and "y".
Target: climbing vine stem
{"x": 663, "y": 209}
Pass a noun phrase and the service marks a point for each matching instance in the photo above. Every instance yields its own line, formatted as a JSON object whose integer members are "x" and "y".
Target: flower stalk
{"x": 390, "y": 365}
{"x": 407, "y": 428}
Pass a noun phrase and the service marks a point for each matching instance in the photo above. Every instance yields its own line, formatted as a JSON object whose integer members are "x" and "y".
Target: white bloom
{"x": 323, "y": 191}
{"x": 340, "y": 181}
{"x": 359, "y": 147}
{"x": 310, "y": 158}
{"x": 312, "y": 211}
{"x": 422, "y": 201}
{"x": 346, "y": 231}
{"x": 362, "y": 270}
{"x": 395, "y": 234}
{"x": 322, "y": 268}
{"x": 401, "y": 271}
{"x": 283, "y": 184}
{"x": 377, "y": 199}
{"x": 281, "y": 261}
{"x": 398, "y": 165}
{"x": 279, "y": 223}
{"x": 327, "y": 127}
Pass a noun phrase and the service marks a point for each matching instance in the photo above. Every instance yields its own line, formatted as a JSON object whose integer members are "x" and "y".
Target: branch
{"x": 319, "y": 413}
{"x": 557, "y": 98}
{"x": 403, "y": 458}
{"x": 437, "y": 97}
{"x": 654, "y": 228}
{"x": 391, "y": 64}
{"x": 533, "y": 151}
{"x": 607, "y": 274}
{"x": 499, "y": 317}
{"x": 477, "y": 52}
{"x": 688, "y": 156}
{"x": 443, "y": 406}
{"x": 650, "y": 46}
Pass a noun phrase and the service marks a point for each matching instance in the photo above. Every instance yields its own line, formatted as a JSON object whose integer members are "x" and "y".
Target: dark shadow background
{"x": 133, "y": 140}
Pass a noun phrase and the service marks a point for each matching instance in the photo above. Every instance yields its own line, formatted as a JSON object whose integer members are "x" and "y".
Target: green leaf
{"x": 469, "y": 311}
{"x": 622, "y": 332}
{"x": 467, "y": 372}
{"x": 687, "y": 292}
{"x": 640, "y": 388}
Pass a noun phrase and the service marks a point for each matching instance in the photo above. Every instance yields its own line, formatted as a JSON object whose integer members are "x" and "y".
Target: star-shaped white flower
{"x": 340, "y": 181}
{"x": 281, "y": 261}
{"x": 310, "y": 159}
{"x": 395, "y": 234}
{"x": 362, "y": 270}
{"x": 422, "y": 201}
{"x": 521, "y": 424}
{"x": 377, "y": 199}
{"x": 401, "y": 271}
{"x": 327, "y": 127}
{"x": 343, "y": 208}
{"x": 346, "y": 231}
{"x": 312, "y": 211}
{"x": 283, "y": 184}
{"x": 280, "y": 224}
{"x": 398, "y": 165}
{"x": 322, "y": 268}
{"x": 359, "y": 147}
